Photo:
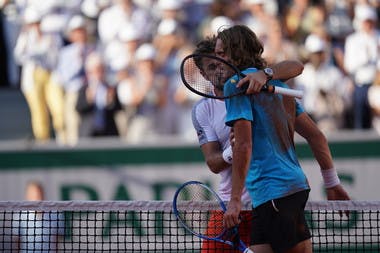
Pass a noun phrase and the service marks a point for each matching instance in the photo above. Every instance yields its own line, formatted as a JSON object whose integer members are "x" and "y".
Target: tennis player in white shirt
{"x": 208, "y": 116}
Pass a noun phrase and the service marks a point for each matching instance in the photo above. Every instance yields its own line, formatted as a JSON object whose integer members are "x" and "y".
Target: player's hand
{"x": 338, "y": 193}
{"x": 256, "y": 81}
{"x": 232, "y": 138}
{"x": 231, "y": 216}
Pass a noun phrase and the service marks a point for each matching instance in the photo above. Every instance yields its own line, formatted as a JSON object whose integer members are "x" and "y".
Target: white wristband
{"x": 330, "y": 178}
{"x": 227, "y": 155}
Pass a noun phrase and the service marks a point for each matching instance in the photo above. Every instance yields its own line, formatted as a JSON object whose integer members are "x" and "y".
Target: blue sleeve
{"x": 238, "y": 107}
{"x": 299, "y": 108}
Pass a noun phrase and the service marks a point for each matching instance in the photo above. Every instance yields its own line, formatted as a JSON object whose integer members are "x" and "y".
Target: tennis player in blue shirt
{"x": 265, "y": 161}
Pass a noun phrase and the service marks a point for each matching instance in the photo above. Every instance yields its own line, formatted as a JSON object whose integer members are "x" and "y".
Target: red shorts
{"x": 214, "y": 228}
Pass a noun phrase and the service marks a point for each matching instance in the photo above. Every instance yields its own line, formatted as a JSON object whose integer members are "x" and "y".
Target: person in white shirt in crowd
{"x": 70, "y": 73}
{"x": 122, "y": 13}
{"x": 362, "y": 61}
{"x": 123, "y": 48}
{"x": 130, "y": 39}
{"x": 325, "y": 87}
{"x": 37, "y": 52}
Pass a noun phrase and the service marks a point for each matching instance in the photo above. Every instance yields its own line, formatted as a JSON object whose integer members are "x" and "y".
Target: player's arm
{"x": 317, "y": 141}
{"x": 242, "y": 156}
{"x": 216, "y": 159}
{"x": 282, "y": 71}
{"x": 286, "y": 70}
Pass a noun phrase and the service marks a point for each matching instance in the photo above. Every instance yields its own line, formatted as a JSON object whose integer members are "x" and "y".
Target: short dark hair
{"x": 205, "y": 46}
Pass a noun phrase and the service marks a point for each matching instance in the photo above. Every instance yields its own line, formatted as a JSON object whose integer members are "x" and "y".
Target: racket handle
{"x": 248, "y": 250}
{"x": 284, "y": 91}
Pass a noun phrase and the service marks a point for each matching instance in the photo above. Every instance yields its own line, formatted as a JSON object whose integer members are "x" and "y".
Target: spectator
{"x": 122, "y": 49}
{"x": 293, "y": 16}
{"x": 37, "y": 53}
{"x": 230, "y": 11}
{"x": 123, "y": 13}
{"x": 37, "y": 231}
{"x": 170, "y": 9}
{"x": 361, "y": 61}
{"x": 145, "y": 94}
{"x": 93, "y": 8}
{"x": 276, "y": 46}
{"x": 338, "y": 26}
{"x": 219, "y": 22}
{"x": 172, "y": 46}
{"x": 10, "y": 29}
{"x": 125, "y": 89}
{"x": 97, "y": 101}
{"x": 257, "y": 18}
{"x": 324, "y": 86}
{"x": 71, "y": 75}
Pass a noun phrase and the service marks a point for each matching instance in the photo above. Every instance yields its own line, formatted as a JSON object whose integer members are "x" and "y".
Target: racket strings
{"x": 201, "y": 222}
{"x": 194, "y": 78}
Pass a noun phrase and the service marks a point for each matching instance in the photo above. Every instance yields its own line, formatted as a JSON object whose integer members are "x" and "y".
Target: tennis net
{"x": 150, "y": 226}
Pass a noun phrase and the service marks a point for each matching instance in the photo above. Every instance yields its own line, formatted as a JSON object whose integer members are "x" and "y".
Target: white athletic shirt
{"x": 208, "y": 117}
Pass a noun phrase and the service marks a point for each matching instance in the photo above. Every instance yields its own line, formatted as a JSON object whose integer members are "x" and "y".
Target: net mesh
{"x": 151, "y": 226}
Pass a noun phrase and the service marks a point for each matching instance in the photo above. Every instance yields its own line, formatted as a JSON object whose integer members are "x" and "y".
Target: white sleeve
{"x": 201, "y": 122}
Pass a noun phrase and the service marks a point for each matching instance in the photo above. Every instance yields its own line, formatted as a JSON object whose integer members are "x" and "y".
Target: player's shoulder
{"x": 202, "y": 104}
{"x": 207, "y": 107}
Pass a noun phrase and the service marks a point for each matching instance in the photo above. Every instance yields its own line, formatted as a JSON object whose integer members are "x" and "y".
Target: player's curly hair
{"x": 243, "y": 47}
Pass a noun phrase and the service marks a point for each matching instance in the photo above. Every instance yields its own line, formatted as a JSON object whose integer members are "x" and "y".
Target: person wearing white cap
{"x": 168, "y": 40}
{"x": 170, "y": 9}
{"x": 212, "y": 26}
{"x": 324, "y": 85}
{"x": 70, "y": 73}
{"x": 37, "y": 51}
{"x": 362, "y": 62}
{"x": 123, "y": 47}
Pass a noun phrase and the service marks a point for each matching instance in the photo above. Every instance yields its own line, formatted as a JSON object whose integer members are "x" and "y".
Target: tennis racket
{"x": 201, "y": 73}
{"x": 186, "y": 206}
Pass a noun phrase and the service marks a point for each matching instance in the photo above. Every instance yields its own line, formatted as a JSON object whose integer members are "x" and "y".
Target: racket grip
{"x": 285, "y": 91}
{"x": 248, "y": 250}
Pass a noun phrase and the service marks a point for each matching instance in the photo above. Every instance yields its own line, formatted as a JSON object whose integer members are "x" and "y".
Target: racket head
{"x": 203, "y": 74}
{"x": 186, "y": 207}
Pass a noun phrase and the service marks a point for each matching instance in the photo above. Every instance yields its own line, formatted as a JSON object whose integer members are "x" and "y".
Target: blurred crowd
{"x": 111, "y": 67}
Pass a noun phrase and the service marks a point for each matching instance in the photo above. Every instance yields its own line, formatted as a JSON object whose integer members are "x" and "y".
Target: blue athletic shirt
{"x": 274, "y": 168}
